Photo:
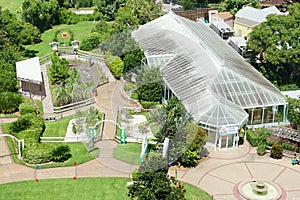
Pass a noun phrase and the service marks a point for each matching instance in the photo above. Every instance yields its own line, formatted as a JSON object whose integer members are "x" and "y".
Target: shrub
{"x": 277, "y": 151}
{"x": 37, "y": 153}
{"x": 150, "y": 92}
{"x": 21, "y": 124}
{"x": 116, "y": 67}
{"x": 261, "y": 149}
{"x": 9, "y": 102}
{"x": 26, "y": 108}
{"x": 74, "y": 129}
{"x": 61, "y": 153}
{"x": 252, "y": 137}
{"x": 189, "y": 159}
{"x": 135, "y": 96}
{"x": 148, "y": 104}
{"x": 135, "y": 174}
{"x": 90, "y": 42}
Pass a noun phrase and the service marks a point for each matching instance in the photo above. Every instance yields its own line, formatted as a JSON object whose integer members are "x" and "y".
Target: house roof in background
{"x": 256, "y": 15}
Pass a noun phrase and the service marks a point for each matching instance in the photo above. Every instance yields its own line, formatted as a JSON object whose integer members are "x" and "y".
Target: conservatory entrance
{"x": 227, "y": 138}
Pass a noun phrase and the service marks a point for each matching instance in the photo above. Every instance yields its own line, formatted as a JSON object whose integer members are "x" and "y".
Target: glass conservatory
{"x": 216, "y": 85}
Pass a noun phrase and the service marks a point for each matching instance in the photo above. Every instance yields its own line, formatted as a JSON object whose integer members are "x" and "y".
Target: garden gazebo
{"x": 216, "y": 85}
{"x": 29, "y": 77}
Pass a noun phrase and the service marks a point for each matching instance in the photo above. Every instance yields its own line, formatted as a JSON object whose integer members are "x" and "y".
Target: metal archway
{"x": 20, "y": 143}
{"x": 123, "y": 131}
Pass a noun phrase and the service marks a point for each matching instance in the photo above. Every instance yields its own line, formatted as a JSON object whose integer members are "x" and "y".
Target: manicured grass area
{"x": 9, "y": 116}
{"x": 82, "y": 188}
{"x": 40, "y": 106}
{"x": 79, "y": 155}
{"x": 194, "y": 193}
{"x": 78, "y": 151}
{"x": 12, "y": 6}
{"x": 57, "y": 128}
{"x": 129, "y": 153}
{"x": 80, "y": 31}
{"x": 5, "y": 128}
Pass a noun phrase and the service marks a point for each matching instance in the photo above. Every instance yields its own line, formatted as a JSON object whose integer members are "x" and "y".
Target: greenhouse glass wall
{"x": 216, "y": 85}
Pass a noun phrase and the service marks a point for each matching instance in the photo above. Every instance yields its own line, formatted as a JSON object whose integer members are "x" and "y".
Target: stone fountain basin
{"x": 273, "y": 192}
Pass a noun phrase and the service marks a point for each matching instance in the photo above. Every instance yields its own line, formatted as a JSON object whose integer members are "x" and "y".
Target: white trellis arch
{"x": 20, "y": 143}
{"x": 121, "y": 128}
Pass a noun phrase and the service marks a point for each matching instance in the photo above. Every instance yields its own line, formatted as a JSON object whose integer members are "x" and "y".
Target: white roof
{"x": 210, "y": 77}
{"x": 292, "y": 94}
{"x": 239, "y": 41}
{"x": 29, "y": 70}
{"x": 256, "y": 15}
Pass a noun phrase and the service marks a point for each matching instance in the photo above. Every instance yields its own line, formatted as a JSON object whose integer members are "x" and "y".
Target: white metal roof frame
{"x": 206, "y": 73}
{"x": 29, "y": 70}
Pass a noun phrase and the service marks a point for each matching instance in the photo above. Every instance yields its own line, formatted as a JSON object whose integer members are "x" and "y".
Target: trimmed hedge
{"x": 38, "y": 153}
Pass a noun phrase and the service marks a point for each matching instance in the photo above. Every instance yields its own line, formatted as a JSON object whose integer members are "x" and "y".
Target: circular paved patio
{"x": 223, "y": 170}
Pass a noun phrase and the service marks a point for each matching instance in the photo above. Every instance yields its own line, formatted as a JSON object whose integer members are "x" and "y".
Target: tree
{"x": 116, "y": 67}
{"x": 150, "y": 84}
{"x": 9, "y": 102}
{"x": 154, "y": 183}
{"x": 133, "y": 59}
{"x": 42, "y": 14}
{"x": 145, "y": 10}
{"x": 91, "y": 41}
{"x": 125, "y": 20}
{"x": 235, "y": 5}
{"x": 275, "y": 46}
{"x": 59, "y": 70}
{"x": 109, "y": 8}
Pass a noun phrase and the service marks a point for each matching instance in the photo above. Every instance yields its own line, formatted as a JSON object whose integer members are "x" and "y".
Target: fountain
{"x": 259, "y": 190}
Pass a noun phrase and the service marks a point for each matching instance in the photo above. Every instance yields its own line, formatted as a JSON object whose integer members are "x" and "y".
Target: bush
{"x": 90, "y": 42}
{"x": 252, "y": 137}
{"x": 61, "y": 153}
{"x": 38, "y": 153}
{"x": 135, "y": 174}
{"x": 277, "y": 151}
{"x": 189, "y": 159}
{"x": 116, "y": 67}
{"x": 9, "y": 102}
{"x": 26, "y": 108}
{"x": 150, "y": 92}
{"x": 135, "y": 96}
{"x": 21, "y": 124}
{"x": 261, "y": 149}
{"x": 148, "y": 104}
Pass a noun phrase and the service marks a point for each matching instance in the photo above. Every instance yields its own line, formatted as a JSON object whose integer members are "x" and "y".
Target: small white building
{"x": 29, "y": 77}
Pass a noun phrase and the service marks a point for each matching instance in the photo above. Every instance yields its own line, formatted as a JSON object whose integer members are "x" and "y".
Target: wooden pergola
{"x": 29, "y": 76}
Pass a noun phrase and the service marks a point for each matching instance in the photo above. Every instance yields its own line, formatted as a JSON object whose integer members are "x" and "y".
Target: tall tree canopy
{"x": 235, "y": 5}
{"x": 153, "y": 183}
{"x": 275, "y": 44}
{"x": 42, "y": 14}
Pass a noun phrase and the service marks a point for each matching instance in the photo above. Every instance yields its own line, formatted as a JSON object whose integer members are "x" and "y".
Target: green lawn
{"x": 129, "y": 153}
{"x": 78, "y": 150}
{"x": 12, "y": 6}
{"x": 57, "y": 128}
{"x": 80, "y": 31}
{"x": 79, "y": 155}
{"x": 40, "y": 106}
{"x": 82, "y": 188}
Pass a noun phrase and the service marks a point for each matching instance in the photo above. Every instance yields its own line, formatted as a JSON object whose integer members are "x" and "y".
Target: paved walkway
{"x": 218, "y": 174}
{"x": 47, "y": 100}
{"x": 221, "y": 172}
